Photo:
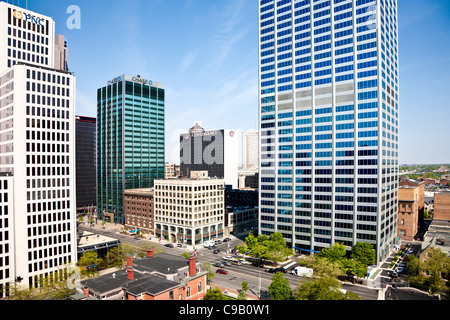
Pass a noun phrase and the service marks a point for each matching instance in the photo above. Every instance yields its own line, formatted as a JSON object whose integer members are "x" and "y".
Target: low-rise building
{"x": 156, "y": 277}
{"x": 442, "y": 206}
{"x": 410, "y": 202}
{"x": 191, "y": 210}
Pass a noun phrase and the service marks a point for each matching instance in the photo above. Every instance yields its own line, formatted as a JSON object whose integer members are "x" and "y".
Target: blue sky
{"x": 205, "y": 52}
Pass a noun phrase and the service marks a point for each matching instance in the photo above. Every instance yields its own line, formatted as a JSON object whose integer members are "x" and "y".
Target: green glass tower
{"x": 130, "y": 140}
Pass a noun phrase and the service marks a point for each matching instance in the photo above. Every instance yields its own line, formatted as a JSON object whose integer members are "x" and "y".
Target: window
{"x": 188, "y": 292}
{"x": 200, "y": 287}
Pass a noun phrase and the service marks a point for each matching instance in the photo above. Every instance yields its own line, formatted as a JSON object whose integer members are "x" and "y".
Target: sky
{"x": 205, "y": 52}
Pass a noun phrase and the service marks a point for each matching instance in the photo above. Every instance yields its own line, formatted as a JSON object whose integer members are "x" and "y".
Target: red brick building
{"x": 138, "y": 208}
{"x": 442, "y": 206}
{"x": 410, "y": 210}
{"x": 158, "y": 277}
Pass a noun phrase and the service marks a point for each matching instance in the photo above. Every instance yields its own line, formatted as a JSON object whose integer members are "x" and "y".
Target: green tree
{"x": 207, "y": 267}
{"x": 89, "y": 262}
{"x": 335, "y": 253}
{"x": 242, "y": 293}
{"x": 323, "y": 289}
{"x": 322, "y": 266}
{"x": 214, "y": 294}
{"x": 280, "y": 289}
{"x": 364, "y": 253}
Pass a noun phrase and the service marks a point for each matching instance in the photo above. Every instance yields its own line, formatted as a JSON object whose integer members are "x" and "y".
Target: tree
{"x": 364, "y": 253}
{"x": 322, "y": 266}
{"x": 207, "y": 267}
{"x": 214, "y": 294}
{"x": 335, "y": 253}
{"x": 244, "y": 289}
{"x": 89, "y": 262}
{"x": 323, "y": 289}
{"x": 280, "y": 289}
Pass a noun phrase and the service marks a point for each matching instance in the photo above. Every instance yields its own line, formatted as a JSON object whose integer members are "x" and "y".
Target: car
{"x": 216, "y": 251}
{"x": 227, "y": 258}
{"x": 403, "y": 264}
{"x": 411, "y": 251}
{"x": 243, "y": 261}
{"x": 227, "y": 263}
{"x": 218, "y": 241}
{"x": 400, "y": 269}
{"x": 226, "y": 239}
{"x": 394, "y": 274}
{"x": 223, "y": 271}
{"x": 169, "y": 245}
{"x": 258, "y": 264}
{"x": 179, "y": 245}
{"x": 219, "y": 265}
{"x": 283, "y": 270}
{"x": 271, "y": 270}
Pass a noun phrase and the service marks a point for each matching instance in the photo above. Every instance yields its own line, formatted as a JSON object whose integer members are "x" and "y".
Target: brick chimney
{"x": 192, "y": 266}
{"x": 149, "y": 253}
{"x": 86, "y": 291}
{"x": 130, "y": 271}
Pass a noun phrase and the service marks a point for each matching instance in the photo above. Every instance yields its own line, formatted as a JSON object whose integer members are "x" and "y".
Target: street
{"x": 257, "y": 278}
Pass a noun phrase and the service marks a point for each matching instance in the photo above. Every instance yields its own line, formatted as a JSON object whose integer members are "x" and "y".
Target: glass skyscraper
{"x": 328, "y": 81}
{"x": 130, "y": 140}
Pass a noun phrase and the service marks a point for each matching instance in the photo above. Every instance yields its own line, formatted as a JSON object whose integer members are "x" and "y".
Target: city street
{"x": 257, "y": 278}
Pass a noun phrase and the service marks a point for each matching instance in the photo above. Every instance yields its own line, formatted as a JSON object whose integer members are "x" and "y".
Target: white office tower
{"x": 328, "y": 80}
{"x": 37, "y": 104}
{"x": 250, "y": 150}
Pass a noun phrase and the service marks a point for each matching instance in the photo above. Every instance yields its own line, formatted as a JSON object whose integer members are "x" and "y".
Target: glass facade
{"x": 130, "y": 141}
{"x": 328, "y": 79}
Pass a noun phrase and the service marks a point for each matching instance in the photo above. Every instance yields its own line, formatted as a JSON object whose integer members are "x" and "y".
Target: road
{"x": 258, "y": 279}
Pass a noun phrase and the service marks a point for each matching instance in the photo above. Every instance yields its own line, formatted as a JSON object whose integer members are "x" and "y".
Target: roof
{"x": 196, "y": 128}
{"x": 162, "y": 263}
{"x": 150, "y": 284}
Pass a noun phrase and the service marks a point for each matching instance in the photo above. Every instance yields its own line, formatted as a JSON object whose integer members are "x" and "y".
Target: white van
{"x": 207, "y": 244}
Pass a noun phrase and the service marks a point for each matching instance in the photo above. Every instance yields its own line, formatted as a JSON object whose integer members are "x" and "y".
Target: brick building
{"x": 159, "y": 277}
{"x": 139, "y": 209}
{"x": 410, "y": 210}
{"x": 442, "y": 206}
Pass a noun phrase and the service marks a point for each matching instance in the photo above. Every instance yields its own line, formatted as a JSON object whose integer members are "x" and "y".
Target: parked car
{"x": 216, "y": 251}
{"x": 223, "y": 271}
{"x": 283, "y": 270}
{"x": 227, "y": 258}
{"x": 394, "y": 274}
{"x": 169, "y": 245}
{"x": 258, "y": 264}
{"x": 227, "y": 263}
{"x": 179, "y": 245}
{"x": 219, "y": 265}
{"x": 400, "y": 269}
{"x": 271, "y": 270}
{"x": 218, "y": 241}
{"x": 226, "y": 239}
{"x": 243, "y": 261}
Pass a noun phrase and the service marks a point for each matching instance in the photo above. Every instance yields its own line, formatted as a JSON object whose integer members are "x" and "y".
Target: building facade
{"x": 139, "y": 209}
{"x": 250, "y": 150}
{"x": 85, "y": 144}
{"x": 189, "y": 211}
{"x": 328, "y": 81}
{"x": 130, "y": 140}
{"x": 7, "y": 248}
{"x": 409, "y": 208}
{"x": 215, "y": 151}
{"x": 37, "y": 122}
{"x": 441, "y": 206}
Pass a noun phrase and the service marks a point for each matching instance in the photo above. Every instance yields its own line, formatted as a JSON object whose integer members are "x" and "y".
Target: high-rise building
{"x": 7, "y": 267}
{"x": 250, "y": 150}
{"x": 130, "y": 140}
{"x": 61, "y": 53}
{"x": 37, "y": 146}
{"x": 215, "y": 151}
{"x": 328, "y": 80}
{"x": 85, "y": 144}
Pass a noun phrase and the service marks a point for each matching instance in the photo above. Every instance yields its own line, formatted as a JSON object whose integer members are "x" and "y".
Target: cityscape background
{"x": 205, "y": 54}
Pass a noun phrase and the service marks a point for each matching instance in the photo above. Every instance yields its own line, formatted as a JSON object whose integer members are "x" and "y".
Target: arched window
{"x": 188, "y": 292}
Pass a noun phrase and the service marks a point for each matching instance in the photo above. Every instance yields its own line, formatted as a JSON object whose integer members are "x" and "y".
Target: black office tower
{"x": 85, "y": 162}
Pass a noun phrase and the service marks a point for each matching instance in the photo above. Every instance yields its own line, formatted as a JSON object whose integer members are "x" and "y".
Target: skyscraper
{"x": 215, "y": 151}
{"x": 130, "y": 140}
{"x": 85, "y": 143}
{"x": 250, "y": 147}
{"x": 328, "y": 80}
{"x": 37, "y": 144}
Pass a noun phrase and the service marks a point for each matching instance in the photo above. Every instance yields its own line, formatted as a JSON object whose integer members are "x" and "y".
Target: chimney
{"x": 192, "y": 266}
{"x": 86, "y": 291}
{"x": 130, "y": 271}
{"x": 149, "y": 253}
